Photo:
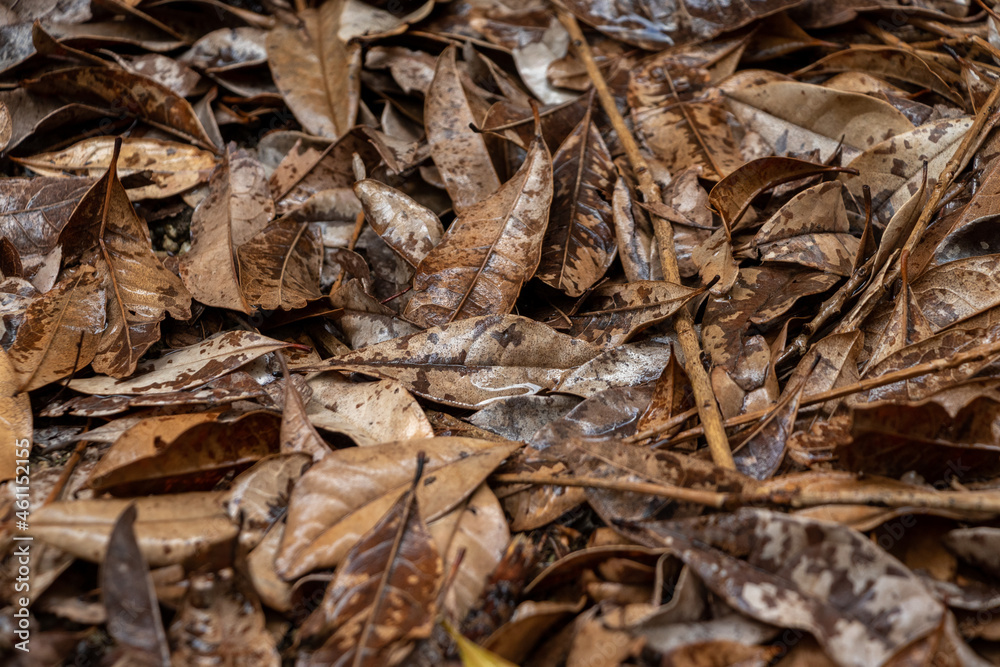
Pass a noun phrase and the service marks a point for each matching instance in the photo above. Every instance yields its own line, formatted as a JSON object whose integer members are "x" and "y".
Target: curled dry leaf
{"x": 579, "y": 243}
{"x": 614, "y": 313}
{"x": 384, "y": 594}
{"x": 471, "y": 362}
{"x": 407, "y": 227}
{"x": 344, "y": 495}
{"x": 801, "y": 573}
{"x": 120, "y": 90}
{"x": 238, "y": 207}
{"x": 187, "y": 367}
{"x": 169, "y": 529}
{"x": 258, "y": 492}
{"x": 489, "y": 252}
{"x": 317, "y": 72}
{"x": 637, "y": 247}
{"x": 459, "y": 152}
{"x": 129, "y": 595}
{"x": 106, "y": 232}
{"x": 61, "y": 330}
{"x": 172, "y": 167}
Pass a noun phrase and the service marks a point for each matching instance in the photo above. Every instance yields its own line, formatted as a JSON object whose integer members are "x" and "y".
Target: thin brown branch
{"x": 708, "y": 408}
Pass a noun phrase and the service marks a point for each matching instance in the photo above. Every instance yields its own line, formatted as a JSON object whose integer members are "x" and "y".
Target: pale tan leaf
{"x": 170, "y": 529}
{"x": 172, "y": 167}
{"x": 489, "y": 252}
{"x": 15, "y": 420}
{"x": 187, "y": 367}
{"x": 367, "y": 412}
{"x": 317, "y": 72}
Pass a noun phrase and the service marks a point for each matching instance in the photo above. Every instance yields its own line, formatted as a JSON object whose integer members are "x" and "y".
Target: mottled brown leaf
{"x": 61, "y": 330}
{"x": 120, "y": 90}
{"x": 459, "y": 152}
{"x": 237, "y": 208}
{"x": 15, "y": 419}
{"x": 407, "y": 227}
{"x": 105, "y": 231}
{"x": 579, "y": 243}
{"x": 384, "y": 594}
{"x": 470, "y": 362}
{"x": 614, "y": 313}
{"x": 187, "y": 367}
{"x": 280, "y": 266}
{"x": 34, "y": 211}
{"x": 489, "y": 252}
{"x": 807, "y": 574}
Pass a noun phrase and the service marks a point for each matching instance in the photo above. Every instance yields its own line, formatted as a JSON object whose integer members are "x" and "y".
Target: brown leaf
{"x": 637, "y": 247}
{"x": 280, "y": 266}
{"x": 124, "y": 91}
{"x": 237, "y": 208}
{"x": 623, "y": 366}
{"x": 258, "y": 492}
{"x": 470, "y": 362}
{"x": 15, "y": 420}
{"x": 384, "y": 595}
{"x": 957, "y": 291}
{"x": 764, "y": 449}
{"x": 129, "y": 596}
{"x": 316, "y": 71}
{"x": 614, "y": 313}
{"x": 810, "y": 230}
{"x": 61, "y": 330}
{"x": 344, "y": 495}
{"x": 407, "y": 227}
{"x": 459, "y": 153}
{"x": 187, "y": 367}
{"x": 34, "y": 211}
{"x": 672, "y": 395}
{"x": 802, "y": 573}
{"x": 894, "y": 169}
{"x": 190, "y": 452}
{"x": 172, "y": 167}
{"x": 297, "y": 431}
{"x": 105, "y": 230}
{"x": 367, "y": 412}
{"x": 489, "y": 252}
{"x": 169, "y": 529}
{"x": 579, "y": 243}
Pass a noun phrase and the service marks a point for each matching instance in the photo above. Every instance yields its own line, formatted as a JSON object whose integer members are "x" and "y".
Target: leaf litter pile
{"x": 590, "y": 334}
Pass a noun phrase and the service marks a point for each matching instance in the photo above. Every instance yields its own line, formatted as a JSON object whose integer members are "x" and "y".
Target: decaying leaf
{"x": 407, "y": 227}
{"x": 471, "y": 362}
{"x": 489, "y": 252}
{"x": 105, "y": 231}
{"x": 384, "y": 594}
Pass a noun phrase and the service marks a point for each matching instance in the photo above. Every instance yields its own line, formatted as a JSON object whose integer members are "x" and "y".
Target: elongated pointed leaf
{"x": 407, "y": 227}
{"x": 614, "y": 313}
{"x": 579, "y": 242}
{"x": 317, "y": 72}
